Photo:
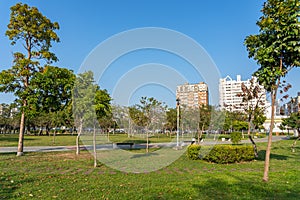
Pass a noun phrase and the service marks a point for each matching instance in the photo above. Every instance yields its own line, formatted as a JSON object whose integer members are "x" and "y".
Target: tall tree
{"x": 35, "y": 33}
{"x": 90, "y": 105}
{"x": 147, "y": 113}
{"x": 53, "y": 95}
{"x": 83, "y": 103}
{"x": 277, "y": 50}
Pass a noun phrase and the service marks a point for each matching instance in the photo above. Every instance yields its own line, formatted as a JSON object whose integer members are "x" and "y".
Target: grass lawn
{"x": 70, "y": 140}
{"x": 63, "y": 175}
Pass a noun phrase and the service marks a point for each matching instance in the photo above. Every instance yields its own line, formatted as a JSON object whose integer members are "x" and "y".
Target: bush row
{"x": 222, "y": 153}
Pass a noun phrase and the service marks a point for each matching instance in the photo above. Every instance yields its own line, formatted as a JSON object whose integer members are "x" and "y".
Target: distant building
{"x": 292, "y": 106}
{"x": 229, "y": 90}
{"x": 193, "y": 95}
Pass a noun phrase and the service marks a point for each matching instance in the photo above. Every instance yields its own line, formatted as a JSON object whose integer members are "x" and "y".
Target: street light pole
{"x": 178, "y": 113}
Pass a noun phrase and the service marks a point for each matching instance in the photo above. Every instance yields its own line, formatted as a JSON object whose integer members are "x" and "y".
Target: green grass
{"x": 70, "y": 140}
{"x": 63, "y": 175}
{"x": 31, "y": 140}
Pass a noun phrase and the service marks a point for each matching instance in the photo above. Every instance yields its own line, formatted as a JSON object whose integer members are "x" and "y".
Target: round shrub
{"x": 193, "y": 151}
{"x": 223, "y": 154}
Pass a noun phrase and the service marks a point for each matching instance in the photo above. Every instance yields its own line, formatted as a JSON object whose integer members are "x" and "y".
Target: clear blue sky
{"x": 219, "y": 26}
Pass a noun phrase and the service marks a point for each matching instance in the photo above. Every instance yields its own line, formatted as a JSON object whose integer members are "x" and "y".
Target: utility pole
{"x": 178, "y": 124}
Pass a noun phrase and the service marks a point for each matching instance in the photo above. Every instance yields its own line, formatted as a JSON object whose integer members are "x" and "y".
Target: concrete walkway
{"x": 112, "y": 146}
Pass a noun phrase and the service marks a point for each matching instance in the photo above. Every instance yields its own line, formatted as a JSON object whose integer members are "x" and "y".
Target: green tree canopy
{"x": 35, "y": 32}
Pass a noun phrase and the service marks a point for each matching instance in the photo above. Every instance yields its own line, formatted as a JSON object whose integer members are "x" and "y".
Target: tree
{"x": 53, "y": 95}
{"x": 83, "y": 103}
{"x": 90, "y": 106}
{"x": 277, "y": 50}
{"x": 293, "y": 122}
{"x": 36, "y": 33}
{"x": 253, "y": 103}
{"x": 204, "y": 119}
{"x": 171, "y": 117}
{"x": 148, "y": 113}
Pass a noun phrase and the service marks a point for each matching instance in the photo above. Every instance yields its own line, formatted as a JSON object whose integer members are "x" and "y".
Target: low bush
{"x": 223, "y": 154}
{"x": 193, "y": 151}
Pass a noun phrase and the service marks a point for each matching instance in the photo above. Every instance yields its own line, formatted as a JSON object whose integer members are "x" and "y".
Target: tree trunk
{"x": 94, "y": 147}
{"x": 77, "y": 138}
{"x": 147, "y": 146}
{"x": 294, "y": 144}
{"x": 252, "y": 141}
{"x": 54, "y": 134}
{"x": 21, "y": 134}
{"x": 268, "y": 151}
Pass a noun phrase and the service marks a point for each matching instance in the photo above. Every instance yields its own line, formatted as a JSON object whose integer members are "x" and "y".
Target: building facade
{"x": 229, "y": 91}
{"x": 293, "y": 106}
{"x": 193, "y": 95}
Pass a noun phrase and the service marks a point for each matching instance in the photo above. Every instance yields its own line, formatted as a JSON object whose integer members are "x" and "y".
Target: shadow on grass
{"x": 3, "y": 138}
{"x": 262, "y": 154}
{"x": 9, "y": 183}
{"x": 241, "y": 188}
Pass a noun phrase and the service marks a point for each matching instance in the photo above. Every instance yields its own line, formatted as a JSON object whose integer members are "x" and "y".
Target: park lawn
{"x": 63, "y": 175}
{"x": 8, "y": 140}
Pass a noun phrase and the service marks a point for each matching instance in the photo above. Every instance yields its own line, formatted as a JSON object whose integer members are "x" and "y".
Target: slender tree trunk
{"x": 147, "y": 146}
{"x": 268, "y": 151}
{"x": 21, "y": 134}
{"x": 94, "y": 147}
{"x": 294, "y": 144}
{"x": 54, "y": 134}
{"x": 252, "y": 141}
{"x": 78, "y": 137}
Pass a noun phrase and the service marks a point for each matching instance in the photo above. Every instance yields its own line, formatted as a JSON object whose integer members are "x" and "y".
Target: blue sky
{"x": 220, "y": 27}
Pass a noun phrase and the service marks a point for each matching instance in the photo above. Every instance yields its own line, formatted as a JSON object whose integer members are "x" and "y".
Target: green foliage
{"x": 171, "y": 115}
{"x": 293, "y": 121}
{"x": 230, "y": 154}
{"x": 239, "y": 125}
{"x": 149, "y": 112}
{"x": 236, "y": 137}
{"x": 193, "y": 151}
{"x": 90, "y": 103}
{"x": 29, "y": 27}
{"x": 276, "y": 48}
{"x": 222, "y": 154}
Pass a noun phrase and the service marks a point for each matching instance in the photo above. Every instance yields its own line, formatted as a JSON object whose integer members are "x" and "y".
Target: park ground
{"x": 64, "y": 175}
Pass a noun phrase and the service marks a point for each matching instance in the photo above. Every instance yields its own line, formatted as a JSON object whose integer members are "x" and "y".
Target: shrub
{"x": 236, "y": 137}
{"x": 193, "y": 151}
{"x": 223, "y": 153}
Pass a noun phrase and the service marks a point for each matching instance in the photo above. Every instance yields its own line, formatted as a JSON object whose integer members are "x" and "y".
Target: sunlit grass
{"x": 63, "y": 175}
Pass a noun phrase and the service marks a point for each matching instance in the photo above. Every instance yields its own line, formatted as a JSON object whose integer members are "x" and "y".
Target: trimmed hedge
{"x": 223, "y": 154}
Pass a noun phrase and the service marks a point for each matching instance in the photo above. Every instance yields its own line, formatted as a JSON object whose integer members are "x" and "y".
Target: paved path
{"x": 111, "y": 146}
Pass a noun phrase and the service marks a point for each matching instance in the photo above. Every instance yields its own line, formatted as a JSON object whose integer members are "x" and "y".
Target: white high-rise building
{"x": 230, "y": 89}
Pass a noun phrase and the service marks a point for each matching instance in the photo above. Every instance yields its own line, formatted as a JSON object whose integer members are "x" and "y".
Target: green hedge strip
{"x": 222, "y": 153}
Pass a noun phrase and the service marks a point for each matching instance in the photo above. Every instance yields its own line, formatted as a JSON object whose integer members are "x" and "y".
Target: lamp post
{"x": 177, "y": 130}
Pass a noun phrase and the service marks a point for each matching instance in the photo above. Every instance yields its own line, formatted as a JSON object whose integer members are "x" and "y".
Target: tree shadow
{"x": 241, "y": 188}
{"x": 141, "y": 155}
{"x": 13, "y": 139}
{"x": 262, "y": 154}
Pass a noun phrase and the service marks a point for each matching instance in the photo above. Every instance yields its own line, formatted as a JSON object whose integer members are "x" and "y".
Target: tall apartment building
{"x": 192, "y": 95}
{"x": 292, "y": 106}
{"x": 229, "y": 90}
